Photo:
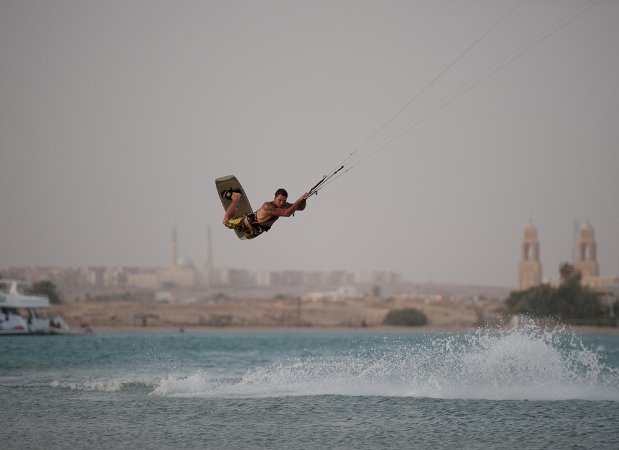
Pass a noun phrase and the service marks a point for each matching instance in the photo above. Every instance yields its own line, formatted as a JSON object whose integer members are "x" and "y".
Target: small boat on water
{"x": 24, "y": 313}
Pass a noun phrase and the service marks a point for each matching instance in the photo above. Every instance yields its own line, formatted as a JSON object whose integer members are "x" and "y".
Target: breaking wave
{"x": 526, "y": 364}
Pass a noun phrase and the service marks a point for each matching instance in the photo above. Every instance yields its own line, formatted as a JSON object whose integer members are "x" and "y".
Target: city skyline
{"x": 182, "y": 270}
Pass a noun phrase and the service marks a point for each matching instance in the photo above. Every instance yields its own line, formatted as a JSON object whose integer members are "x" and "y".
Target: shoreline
{"x": 353, "y": 315}
{"x": 386, "y": 329}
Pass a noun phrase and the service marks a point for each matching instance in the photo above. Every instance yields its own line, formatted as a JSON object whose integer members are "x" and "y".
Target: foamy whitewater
{"x": 530, "y": 388}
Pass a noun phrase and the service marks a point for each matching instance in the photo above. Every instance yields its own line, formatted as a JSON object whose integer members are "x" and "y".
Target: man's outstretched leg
{"x": 236, "y": 197}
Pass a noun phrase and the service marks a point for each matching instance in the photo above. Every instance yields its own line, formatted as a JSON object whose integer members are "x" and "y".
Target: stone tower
{"x": 174, "y": 250}
{"x": 586, "y": 257}
{"x": 530, "y": 268}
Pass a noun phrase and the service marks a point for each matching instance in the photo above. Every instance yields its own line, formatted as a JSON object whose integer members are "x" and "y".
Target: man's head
{"x": 280, "y": 197}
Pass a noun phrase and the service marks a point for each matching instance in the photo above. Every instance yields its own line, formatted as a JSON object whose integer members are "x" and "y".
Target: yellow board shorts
{"x": 238, "y": 224}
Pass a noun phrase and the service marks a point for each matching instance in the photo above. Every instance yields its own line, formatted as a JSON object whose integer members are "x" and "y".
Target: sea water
{"x": 528, "y": 388}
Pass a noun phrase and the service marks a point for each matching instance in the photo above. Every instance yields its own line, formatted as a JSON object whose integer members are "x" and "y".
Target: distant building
{"x": 340, "y": 278}
{"x": 173, "y": 249}
{"x": 115, "y": 276}
{"x": 586, "y": 263}
{"x": 263, "y": 278}
{"x": 607, "y": 287}
{"x": 586, "y": 257}
{"x": 314, "y": 278}
{"x": 96, "y": 276}
{"x": 181, "y": 272}
{"x": 280, "y": 278}
{"x": 233, "y": 277}
{"x": 206, "y": 276}
{"x": 529, "y": 268}
{"x": 143, "y": 279}
{"x": 291, "y": 278}
{"x": 374, "y": 277}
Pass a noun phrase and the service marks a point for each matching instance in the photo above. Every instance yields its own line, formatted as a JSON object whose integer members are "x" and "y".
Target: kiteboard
{"x": 243, "y": 207}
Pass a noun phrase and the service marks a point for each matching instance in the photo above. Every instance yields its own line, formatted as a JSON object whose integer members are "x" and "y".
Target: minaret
{"x": 586, "y": 259}
{"x": 208, "y": 262}
{"x": 174, "y": 255}
{"x": 530, "y": 268}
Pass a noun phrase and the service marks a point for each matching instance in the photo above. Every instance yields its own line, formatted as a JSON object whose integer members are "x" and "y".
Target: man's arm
{"x": 299, "y": 205}
{"x": 288, "y": 209}
{"x": 303, "y": 204}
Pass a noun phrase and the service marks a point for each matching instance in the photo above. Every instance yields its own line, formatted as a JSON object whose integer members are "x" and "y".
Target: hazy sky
{"x": 117, "y": 116}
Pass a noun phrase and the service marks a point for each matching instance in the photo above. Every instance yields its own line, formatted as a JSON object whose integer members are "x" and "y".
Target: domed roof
{"x": 185, "y": 261}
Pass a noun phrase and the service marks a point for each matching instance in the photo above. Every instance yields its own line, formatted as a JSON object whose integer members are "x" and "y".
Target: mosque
{"x": 585, "y": 261}
{"x": 181, "y": 271}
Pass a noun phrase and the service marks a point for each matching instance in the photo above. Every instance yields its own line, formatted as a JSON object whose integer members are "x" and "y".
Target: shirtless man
{"x": 254, "y": 224}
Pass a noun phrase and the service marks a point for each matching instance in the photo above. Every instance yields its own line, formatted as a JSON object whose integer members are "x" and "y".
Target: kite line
{"x": 357, "y": 156}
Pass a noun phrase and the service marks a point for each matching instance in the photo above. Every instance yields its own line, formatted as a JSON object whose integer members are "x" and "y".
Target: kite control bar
{"x": 314, "y": 189}
{"x": 321, "y": 183}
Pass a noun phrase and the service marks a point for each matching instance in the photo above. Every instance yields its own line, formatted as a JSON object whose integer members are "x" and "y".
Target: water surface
{"x": 220, "y": 389}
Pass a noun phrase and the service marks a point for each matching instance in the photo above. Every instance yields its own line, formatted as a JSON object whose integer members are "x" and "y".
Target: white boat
{"x": 33, "y": 318}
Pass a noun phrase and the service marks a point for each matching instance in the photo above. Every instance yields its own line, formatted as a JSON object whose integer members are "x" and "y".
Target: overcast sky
{"x": 117, "y": 116}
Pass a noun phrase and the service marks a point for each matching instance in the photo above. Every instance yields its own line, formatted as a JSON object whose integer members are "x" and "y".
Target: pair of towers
{"x": 530, "y": 267}
{"x": 208, "y": 263}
